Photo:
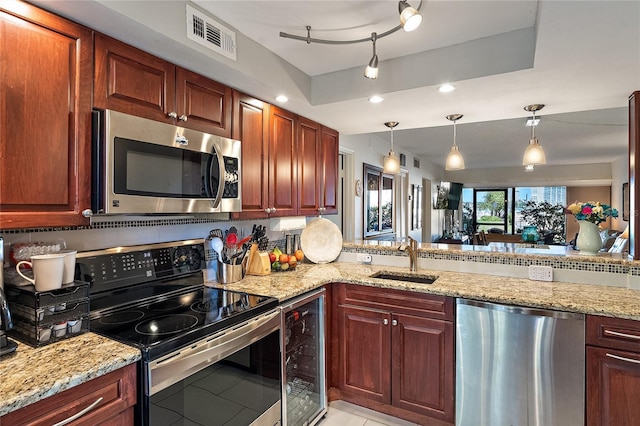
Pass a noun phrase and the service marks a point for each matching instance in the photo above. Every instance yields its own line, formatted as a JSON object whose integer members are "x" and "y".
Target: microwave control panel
{"x": 231, "y": 178}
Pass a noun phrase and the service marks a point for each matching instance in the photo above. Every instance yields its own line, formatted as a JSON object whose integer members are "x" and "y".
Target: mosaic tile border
{"x": 133, "y": 223}
{"x": 606, "y": 265}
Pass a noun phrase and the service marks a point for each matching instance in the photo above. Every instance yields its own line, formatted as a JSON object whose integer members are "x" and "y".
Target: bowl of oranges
{"x": 281, "y": 262}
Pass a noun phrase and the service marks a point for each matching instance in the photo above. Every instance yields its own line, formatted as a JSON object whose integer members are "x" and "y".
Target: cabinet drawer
{"x": 613, "y": 333}
{"x": 405, "y": 302}
{"x": 117, "y": 390}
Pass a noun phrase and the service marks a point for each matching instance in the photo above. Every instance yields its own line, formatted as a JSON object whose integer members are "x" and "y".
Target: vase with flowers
{"x": 589, "y": 215}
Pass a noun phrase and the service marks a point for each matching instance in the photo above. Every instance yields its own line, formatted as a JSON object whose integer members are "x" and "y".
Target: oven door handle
{"x": 181, "y": 364}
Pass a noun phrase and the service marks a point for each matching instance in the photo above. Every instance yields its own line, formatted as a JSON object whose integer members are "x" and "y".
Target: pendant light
{"x": 391, "y": 164}
{"x": 534, "y": 154}
{"x": 372, "y": 69}
{"x": 454, "y": 159}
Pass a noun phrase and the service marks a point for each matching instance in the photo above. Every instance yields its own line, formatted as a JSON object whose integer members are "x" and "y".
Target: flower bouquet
{"x": 591, "y": 211}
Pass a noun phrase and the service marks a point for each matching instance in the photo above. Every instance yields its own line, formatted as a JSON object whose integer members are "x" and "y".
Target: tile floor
{"x": 342, "y": 413}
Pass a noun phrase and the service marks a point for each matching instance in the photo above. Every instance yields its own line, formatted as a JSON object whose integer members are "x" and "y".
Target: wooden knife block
{"x": 259, "y": 263}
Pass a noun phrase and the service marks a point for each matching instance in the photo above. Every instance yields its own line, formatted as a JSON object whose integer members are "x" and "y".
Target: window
{"x": 378, "y": 202}
{"x": 509, "y": 210}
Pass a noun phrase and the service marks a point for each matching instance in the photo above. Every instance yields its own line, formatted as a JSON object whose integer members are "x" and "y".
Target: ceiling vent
{"x": 205, "y": 31}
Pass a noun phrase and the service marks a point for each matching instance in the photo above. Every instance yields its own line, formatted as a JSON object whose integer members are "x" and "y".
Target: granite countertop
{"x": 31, "y": 374}
{"x": 583, "y": 298}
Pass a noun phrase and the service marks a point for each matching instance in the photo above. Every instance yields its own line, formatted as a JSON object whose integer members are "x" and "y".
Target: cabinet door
{"x": 329, "y": 149}
{"x": 282, "y": 163}
{"x": 132, "y": 81}
{"x": 251, "y": 126}
{"x": 309, "y": 167}
{"x": 422, "y": 362}
{"x": 203, "y": 104}
{"x": 613, "y": 386}
{"x": 45, "y": 110}
{"x": 364, "y": 340}
{"x": 106, "y": 400}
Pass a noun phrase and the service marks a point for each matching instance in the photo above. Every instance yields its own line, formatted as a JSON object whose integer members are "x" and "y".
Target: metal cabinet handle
{"x": 394, "y": 322}
{"x": 621, "y": 358}
{"x": 267, "y": 210}
{"x": 79, "y": 414}
{"x": 627, "y": 336}
{"x": 385, "y": 321}
{"x": 173, "y": 114}
{"x": 87, "y": 213}
{"x": 183, "y": 118}
{"x": 273, "y": 209}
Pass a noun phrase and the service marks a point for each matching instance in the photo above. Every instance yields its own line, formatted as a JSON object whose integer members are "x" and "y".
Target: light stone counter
{"x": 31, "y": 374}
{"x": 583, "y": 298}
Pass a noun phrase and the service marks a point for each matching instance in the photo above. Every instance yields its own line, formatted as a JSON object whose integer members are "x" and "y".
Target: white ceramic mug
{"x": 69, "y": 266}
{"x": 48, "y": 270}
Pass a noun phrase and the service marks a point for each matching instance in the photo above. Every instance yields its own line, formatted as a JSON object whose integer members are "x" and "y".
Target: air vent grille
{"x": 205, "y": 31}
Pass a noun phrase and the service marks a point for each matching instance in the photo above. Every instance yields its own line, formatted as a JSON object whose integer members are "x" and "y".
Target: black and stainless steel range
{"x": 209, "y": 356}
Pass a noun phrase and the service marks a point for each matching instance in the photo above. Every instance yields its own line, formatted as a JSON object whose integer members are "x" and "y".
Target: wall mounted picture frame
{"x": 625, "y": 201}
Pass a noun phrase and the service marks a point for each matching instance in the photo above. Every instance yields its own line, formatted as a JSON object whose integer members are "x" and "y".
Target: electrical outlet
{"x": 363, "y": 257}
{"x": 540, "y": 273}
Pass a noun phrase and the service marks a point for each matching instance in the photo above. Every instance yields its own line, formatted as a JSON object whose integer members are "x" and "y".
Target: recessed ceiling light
{"x": 281, "y": 98}
{"x": 375, "y": 99}
{"x": 446, "y": 88}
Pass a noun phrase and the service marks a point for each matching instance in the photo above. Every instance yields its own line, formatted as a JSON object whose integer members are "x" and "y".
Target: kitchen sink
{"x": 421, "y": 279}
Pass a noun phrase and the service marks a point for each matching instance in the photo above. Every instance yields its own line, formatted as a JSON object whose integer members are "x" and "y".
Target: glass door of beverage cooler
{"x": 303, "y": 380}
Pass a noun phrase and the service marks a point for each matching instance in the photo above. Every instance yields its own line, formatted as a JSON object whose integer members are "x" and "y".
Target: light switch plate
{"x": 540, "y": 273}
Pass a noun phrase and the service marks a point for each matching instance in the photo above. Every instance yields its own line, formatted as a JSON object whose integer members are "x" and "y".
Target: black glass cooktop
{"x": 153, "y": 297}
{"x": 164, "y": 324}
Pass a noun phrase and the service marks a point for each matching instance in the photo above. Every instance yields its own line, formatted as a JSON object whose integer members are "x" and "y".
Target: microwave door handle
{"x": 222, "y": 172}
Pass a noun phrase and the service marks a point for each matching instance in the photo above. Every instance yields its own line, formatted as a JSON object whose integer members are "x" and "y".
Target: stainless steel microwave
{"x": 142, "y": 166}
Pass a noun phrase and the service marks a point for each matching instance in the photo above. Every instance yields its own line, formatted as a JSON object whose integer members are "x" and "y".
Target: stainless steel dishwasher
{"x": 518, "y": 366}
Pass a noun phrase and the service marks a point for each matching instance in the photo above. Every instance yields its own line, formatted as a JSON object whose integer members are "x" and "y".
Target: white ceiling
{"x": 580, "y": 58}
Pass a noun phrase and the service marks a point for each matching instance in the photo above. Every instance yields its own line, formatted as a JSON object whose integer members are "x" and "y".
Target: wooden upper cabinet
{"x": 330, "y": 169}
{"x": 251, "y": 126}
{"x": 309, "y": 167}
{"x": 135, "y": 82}
{"x": 132, "y": 81}
{"x": 45, "y": 124}
{"x": 283, "y": 184}
{"x": 204, "y": 103}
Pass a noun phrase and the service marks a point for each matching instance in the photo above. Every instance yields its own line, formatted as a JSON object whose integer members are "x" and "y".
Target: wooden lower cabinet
{"x": 613, "y": 372}
{"x": 113, "y": 394}
{"x": 392, "y": 356}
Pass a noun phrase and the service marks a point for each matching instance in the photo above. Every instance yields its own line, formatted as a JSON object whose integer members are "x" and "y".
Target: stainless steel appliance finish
{"x": 518, "y": 366}
{"x": 210, "y": 356}
{"x": 143, "y": 166}
{"x": 304, "y": 395}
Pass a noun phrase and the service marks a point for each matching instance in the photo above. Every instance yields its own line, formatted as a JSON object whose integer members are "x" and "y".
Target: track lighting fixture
{"x": 454, "y": 159}
{"x": 372, "y": 69}
{"x": 534, "y": 154}
{"x": 410, "y": 19}
{"x": 391, "y": 163}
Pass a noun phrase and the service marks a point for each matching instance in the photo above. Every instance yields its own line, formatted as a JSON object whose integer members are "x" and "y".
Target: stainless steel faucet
{"x": 412, "y": 248}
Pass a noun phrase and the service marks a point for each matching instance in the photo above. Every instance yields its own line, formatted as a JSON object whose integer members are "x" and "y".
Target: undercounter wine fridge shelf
{"x": 303, "y": 395}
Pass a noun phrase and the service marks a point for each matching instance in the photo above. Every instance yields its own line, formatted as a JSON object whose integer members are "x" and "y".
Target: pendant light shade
{"x": 410, "y": 18}
{"x": 454, "y": 159}
{"x": 534, "y": 154}
{"x": 391, "y": 163}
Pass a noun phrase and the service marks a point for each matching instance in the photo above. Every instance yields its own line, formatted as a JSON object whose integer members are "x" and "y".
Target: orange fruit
{"x": 284, "y": 258}
{"x": 292, "y": 261}
{"x": 299, "y": 255}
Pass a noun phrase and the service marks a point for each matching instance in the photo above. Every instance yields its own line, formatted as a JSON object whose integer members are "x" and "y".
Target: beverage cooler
{"x": 304, "y": 394}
